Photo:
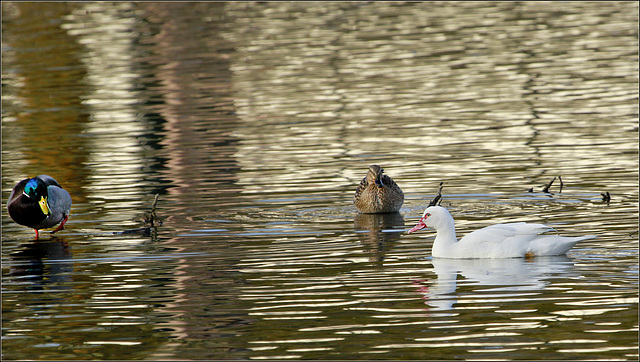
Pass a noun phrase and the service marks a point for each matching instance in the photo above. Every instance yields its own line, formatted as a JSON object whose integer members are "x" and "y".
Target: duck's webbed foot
{"x": 61, "y": 226}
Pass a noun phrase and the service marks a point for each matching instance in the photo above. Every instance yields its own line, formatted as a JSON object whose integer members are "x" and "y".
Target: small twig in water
{"x": 155, "y": 202}
{"x": 154, "y": 217}
{"x": 146, "y": 231}
{"x": 147, "y": 218}
{"x": 438, "y": 198}
{"x": 561, "y": 183}
{"x": 546, "y": 188}
{"x": 606, "y": 197}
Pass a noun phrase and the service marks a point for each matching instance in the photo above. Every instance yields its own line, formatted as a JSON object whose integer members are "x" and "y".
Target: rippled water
{"x": 255, "y": 122}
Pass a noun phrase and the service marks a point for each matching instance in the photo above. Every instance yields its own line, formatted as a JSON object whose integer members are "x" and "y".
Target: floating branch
{"x": 146, "y": 231}
{"x": 438, "y": 198}
{"x": 561, "y": 183}
{"x": 154, "y": 217}
{"x": 546, "y": 188}
{"x": 606, "y": 197}
{"x": 149, "y": 219}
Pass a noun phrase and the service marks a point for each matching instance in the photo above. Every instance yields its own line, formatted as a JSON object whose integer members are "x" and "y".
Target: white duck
{"x": 512, "y": 240}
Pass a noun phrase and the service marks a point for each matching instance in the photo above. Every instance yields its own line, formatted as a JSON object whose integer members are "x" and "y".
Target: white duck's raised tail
{"x": 512, "y": 240}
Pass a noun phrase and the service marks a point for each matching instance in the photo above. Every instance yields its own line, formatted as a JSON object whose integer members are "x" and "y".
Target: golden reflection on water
{"x": 256, "y": 121}
{"x": 388, "y": 95}
{"x": 111, "y": 73}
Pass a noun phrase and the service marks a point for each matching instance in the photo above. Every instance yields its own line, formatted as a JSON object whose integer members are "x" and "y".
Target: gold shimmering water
{"x": 255, "y": 122}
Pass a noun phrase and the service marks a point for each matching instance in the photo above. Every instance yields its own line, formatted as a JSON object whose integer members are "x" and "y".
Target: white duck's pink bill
{"x": 421, "y": 225}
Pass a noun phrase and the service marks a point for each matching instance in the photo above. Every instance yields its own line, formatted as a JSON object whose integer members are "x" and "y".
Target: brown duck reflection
{"x": 378, "y": 236}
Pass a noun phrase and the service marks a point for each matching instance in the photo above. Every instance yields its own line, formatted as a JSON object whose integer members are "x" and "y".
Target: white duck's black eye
{"x": 427, "y": 215}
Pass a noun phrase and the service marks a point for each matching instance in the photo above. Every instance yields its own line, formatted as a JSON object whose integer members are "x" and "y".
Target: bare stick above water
{"x": 150, "y": 218}
{"x": 438, "y": 197}
{"x": 561, "y": 183}
{"x": 154, "y": 217}
{"x": 546, "y": 188}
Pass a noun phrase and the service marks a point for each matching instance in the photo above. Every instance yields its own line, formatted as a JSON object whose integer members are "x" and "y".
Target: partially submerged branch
{"x": 438, "y": 198}
{"x": 561, "y": 183}
{"x": 150, "y": 218}
{"x": 154, "y": 217}
{"x": 546, "y": 188}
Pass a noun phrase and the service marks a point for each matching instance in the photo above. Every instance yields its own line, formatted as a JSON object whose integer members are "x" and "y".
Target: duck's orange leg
{"x": 61, "y": 226}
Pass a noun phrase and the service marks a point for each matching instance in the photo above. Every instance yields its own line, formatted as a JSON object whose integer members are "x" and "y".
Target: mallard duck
{"x": 39, "y": 203}
{"x": 512, "y": 240}
{"x": 378, "y": 193}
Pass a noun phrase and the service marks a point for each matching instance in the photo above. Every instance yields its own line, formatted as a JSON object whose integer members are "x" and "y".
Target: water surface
{"x": 254, "y": 122}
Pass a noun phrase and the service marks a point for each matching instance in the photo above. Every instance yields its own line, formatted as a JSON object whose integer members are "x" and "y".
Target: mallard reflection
{"x": 43, "y": 261}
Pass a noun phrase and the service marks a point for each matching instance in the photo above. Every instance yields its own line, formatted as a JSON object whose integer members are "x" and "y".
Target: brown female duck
{"x": 378, "y": 193}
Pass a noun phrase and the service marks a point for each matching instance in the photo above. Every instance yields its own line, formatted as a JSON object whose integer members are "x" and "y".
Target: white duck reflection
{"x": 514, "y": 274}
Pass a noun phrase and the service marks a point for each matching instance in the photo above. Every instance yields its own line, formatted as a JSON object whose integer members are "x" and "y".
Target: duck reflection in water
{"x": 500, "y": 275}
{"x": 378, "y": 231}
{"x": 44, "y": 262}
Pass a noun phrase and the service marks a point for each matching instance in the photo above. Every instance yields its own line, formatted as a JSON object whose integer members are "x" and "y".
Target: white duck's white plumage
{"x": 512, "y": 240}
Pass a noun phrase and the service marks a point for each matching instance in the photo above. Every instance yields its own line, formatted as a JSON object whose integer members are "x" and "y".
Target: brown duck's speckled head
{"x": 378, "y": 193}
{"x": 375, "y": 175}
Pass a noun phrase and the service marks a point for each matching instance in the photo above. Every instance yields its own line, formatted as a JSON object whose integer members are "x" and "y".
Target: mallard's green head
{"x": 36, "y": 190}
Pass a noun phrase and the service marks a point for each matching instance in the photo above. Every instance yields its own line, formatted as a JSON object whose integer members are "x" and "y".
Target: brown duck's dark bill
{"x": 421, "y": 225}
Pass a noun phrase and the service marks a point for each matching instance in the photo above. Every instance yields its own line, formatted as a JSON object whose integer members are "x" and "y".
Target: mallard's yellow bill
{"x": 43, "y": 205}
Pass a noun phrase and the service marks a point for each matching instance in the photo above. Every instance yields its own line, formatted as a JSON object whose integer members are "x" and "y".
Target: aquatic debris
{"x": 149, "y": 219}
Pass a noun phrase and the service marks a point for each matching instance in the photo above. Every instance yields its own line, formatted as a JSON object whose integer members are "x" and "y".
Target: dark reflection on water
{"x": 254, "y": 121}
{"x": 377, "y": 232}
{"x": 28, "y": 263}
